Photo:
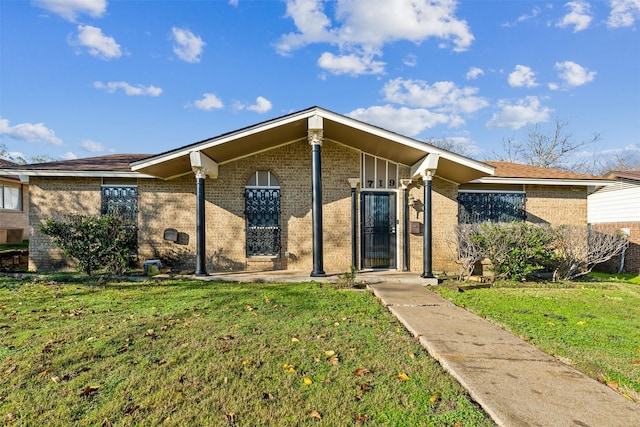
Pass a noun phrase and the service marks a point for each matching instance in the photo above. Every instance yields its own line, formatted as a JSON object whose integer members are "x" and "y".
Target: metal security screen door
{"x": 378, "y": 230}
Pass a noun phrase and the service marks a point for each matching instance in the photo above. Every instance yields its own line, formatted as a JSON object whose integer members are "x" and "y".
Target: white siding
{"x": 614, "y": 206}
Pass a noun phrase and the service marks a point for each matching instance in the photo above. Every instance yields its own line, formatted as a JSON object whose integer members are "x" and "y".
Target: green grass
{"x": 590, "y": 325}
{"x": 81, "y": 352}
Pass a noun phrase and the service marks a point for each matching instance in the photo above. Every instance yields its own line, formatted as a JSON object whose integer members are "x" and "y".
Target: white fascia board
{"x": 423, "y": 146}
{"x": 86, "y": 174}
{"x": 542, "y": 181}
{"x": 212, "y": 142}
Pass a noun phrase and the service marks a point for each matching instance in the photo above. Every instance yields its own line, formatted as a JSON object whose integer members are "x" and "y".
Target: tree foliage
{"x": 94, "y": 242}
{"x": 548, "y": 149}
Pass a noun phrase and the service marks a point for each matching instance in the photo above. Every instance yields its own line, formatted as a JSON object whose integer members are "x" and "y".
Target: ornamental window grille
{"x": 262, "y": 214}
{"x": 475, "y": 207}
{"x": 122, "y": 201}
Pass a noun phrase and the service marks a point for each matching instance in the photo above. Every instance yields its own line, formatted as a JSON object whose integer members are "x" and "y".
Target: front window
{"x": 121, "y": 200}
{"x": 481, "y": 206}
{"x": 262, "y": 214}
{"x": 10, "y": 198}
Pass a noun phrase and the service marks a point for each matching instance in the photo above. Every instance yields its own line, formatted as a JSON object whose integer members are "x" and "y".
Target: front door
{"x": 378, "y": 230}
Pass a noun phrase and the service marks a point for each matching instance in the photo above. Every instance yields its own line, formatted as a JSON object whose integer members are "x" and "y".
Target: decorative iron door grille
{"x": 262, "y": 213}
{"x": 378, "y": 230}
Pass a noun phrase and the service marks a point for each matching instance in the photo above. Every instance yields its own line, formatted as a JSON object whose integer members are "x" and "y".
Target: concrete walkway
{"x": 515, "y": 383}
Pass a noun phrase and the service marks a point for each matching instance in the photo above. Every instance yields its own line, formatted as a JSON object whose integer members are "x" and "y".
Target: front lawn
{"x": 85, "y": 352}
{"x": 593, "y": 326}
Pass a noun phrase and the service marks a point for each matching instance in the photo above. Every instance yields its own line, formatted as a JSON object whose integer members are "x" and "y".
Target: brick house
{"x": 616, "y": 208}
{"x": 313, "y": 191}
{"x": 14, "y": 202}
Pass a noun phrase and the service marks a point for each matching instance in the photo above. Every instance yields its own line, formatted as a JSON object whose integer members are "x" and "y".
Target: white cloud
{"x": 526, "y": 111}
{"x": 261, "y": 106}
{"x": 208, "y": 102}
{"x": 97, "y": 44}
{"x": 138, "y": 90}
{"x": 474, "y": 73}
{"x": 406, "y": 121}
{"x": 624, "y": 13}
{"x": 233, "y": 2}
{"x": 443, "y": 97}
{"x": 92, "y": 146}
{"x": 522, "y": 76}
{"x": 579, "y": 17}
{"x": 187, "y": 46}
{"x": 410, "y": 60}
{"x": 30, "y": 132}
{"x": 350, "y": 64}
{"x": 522, "y": 18}
{"x": 574, "y": 74}
{"x": 69, "y": 155}
{"x": 70, "y": 9}
{"x": 360, "y": 30}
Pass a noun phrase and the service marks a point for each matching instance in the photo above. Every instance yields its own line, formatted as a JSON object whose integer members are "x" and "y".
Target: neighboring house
{"x": 312, "y": 190}
{"x": 616, "y": 208}
{"x": 14, "y": 202}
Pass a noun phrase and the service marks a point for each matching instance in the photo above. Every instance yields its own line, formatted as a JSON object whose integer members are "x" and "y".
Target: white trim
{"x": 494, "y": 191}
{"x": 542, "y": 181}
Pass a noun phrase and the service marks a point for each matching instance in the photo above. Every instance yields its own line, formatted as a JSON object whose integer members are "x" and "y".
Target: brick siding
{"x": 632, "y": 254}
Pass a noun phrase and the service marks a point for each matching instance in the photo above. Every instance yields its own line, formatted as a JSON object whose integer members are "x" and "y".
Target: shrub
{"x": 94, "y": 242}
{"x": 580, "y": 249}
{"x": 516, "y": 249}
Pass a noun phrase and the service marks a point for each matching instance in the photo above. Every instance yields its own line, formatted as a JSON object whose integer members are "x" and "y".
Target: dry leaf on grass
{"x": 88, "y": 390}
{"x": 403, "y": 376}
{"x": 361, "y": 371}
{"x": 315, "y": 415}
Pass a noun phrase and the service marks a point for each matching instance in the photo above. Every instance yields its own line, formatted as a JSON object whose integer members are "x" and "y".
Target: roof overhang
{"x": 543, "y": 181}
{"x": 25, "y": 174}
{"x": 293, "y": 128}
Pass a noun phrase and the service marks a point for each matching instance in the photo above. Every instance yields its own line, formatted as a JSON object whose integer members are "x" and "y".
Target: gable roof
{"x": 515, "y": 173}
{"x": 4, "y": 163}
{"x": 291, "y": 128}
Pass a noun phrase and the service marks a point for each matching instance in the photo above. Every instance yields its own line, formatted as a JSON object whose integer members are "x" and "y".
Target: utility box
{"x": 415, "y": 227}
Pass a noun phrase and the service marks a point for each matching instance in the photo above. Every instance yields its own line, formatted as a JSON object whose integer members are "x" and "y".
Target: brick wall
{"x": 53, "y": 198}
{"x": 172, "y": 204}
{"x": 632, "y": 254}
{"x": 556, "y": 205}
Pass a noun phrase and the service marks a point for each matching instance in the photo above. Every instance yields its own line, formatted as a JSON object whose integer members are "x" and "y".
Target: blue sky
{"x": 82, "y": 78}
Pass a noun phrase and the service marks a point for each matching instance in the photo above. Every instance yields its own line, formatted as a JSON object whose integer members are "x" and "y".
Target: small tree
{"x": 94, "y": 242}
{"x": 467, "y": 249}
{"x": 580, "y": 249}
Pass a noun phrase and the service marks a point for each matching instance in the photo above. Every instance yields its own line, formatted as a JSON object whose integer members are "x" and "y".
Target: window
{"x": 262, "y": 214}
{"x": 481, "y": 206}
{"x": 11, "y": 197}
{"x": 378, "y": 174}
{"x": 121, "y": 201}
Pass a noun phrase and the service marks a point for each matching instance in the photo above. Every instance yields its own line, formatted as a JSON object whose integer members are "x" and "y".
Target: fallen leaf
{"x": 361, "y": 371}
{"x": 315, "y": 415}
{"x": 88, "y": 390}
{"x": 308, "y": 381}
{"x": 267, "y": 396}
{"x": 362, "y": 418}
{"x": 246, "y": 362}
{"x": 412, "y": 356}
{"x": 329, "y": 353}
{"x": 336, "y": 324}
{"x": 231, "y": 418}
{"x": 403, "y": 376}
{"x": 55, "y": 379}
{"x": 43, "y": 373}
{"x": 150, "y": 332}
{"x": 365, "y": 387}
{"x": 458, "y": 424}
{"x": 635, "y": 363}
{"x": 294, "y": 339}
{"x": 434, "y": 398}
{"x": 132, "y": 410}
{"x": 327, "y": 381}
{"x": 613, "y": 385}
{"x": 333, "y": 360}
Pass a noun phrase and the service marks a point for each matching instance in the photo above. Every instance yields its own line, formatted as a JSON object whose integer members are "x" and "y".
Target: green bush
{"x": 516, "y": 249}
{"x": 94, "y": 242}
